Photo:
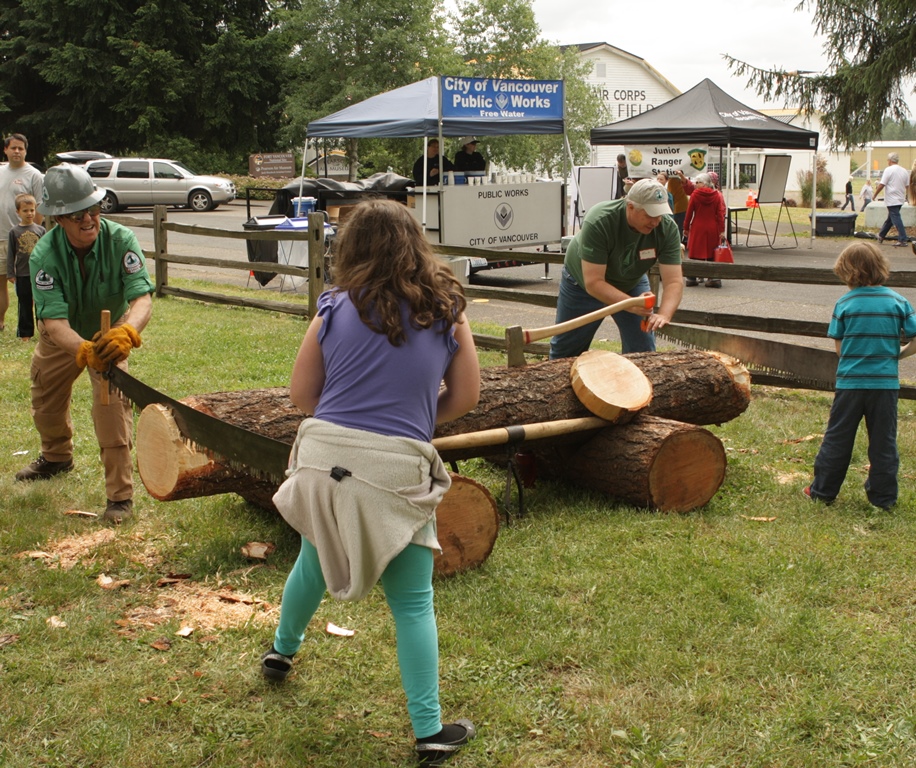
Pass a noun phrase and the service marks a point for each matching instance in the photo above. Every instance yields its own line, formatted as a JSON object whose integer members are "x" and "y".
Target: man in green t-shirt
{"x": 608, "y": 261}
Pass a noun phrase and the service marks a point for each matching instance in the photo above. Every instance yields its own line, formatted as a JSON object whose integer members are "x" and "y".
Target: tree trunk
{"x": 649, "y": 462}
{"x": 692, "y": 386}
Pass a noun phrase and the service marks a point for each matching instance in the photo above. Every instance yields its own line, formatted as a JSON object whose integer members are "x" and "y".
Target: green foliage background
{"x": 209, "y": 83}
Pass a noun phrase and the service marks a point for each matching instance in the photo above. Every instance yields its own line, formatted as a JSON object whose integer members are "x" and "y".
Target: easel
{"x": 772, "y": 190}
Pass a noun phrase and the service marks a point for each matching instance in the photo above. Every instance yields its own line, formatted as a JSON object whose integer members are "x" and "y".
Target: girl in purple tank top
{"x": 388, "y": 356}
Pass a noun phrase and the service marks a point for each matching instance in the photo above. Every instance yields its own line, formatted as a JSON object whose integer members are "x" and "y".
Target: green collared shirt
{"x": 606, "y": 238}
{"x": 116, "y": 274}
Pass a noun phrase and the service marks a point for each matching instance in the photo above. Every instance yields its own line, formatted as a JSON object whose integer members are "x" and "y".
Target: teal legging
{"x": 408, "y": 584}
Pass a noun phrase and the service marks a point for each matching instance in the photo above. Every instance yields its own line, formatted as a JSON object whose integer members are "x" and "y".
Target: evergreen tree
{"x": 870, "y": 48}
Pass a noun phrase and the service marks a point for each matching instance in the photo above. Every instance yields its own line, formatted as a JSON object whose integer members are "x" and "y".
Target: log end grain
{"x": 467, "y": 521}
{"x": 688, "y": 470}
{"x": 163, "y": 457}
{"x": 609, "y": 385}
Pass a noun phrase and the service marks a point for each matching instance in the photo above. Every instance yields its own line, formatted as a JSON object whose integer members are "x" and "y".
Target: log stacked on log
{"x": 691, "y": 387}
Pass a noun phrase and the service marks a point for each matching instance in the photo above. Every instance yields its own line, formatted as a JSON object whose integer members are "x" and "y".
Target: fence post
{"x": 316, "y": 260}
{"x": 161, "y": 246}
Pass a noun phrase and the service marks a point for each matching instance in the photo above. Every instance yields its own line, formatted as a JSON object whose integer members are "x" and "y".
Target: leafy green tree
{"x": 348, "y": 50}
{"x": 140, "y": 76}
{"x": 870, "y": 47}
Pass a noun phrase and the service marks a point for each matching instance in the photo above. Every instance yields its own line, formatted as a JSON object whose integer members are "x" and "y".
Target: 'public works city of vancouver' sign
{"x": 483, "y": 97}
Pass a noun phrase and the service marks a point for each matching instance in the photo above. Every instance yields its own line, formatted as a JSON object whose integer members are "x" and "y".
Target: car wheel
{"x": 200, "y": 201}
{"x": 109, "y": 203}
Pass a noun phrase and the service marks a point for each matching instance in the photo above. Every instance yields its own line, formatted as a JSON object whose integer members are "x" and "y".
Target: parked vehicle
{"x": 80, "y": 156}
{"x": 131, "y": 181}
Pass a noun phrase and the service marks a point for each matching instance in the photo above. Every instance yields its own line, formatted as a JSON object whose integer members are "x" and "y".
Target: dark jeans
{"x": 879, "y": 407}
{"x": 26, "y": 327}
{"x": 850, "y": 200}
{"x": 574, "y": 301}
{"x": 893, "y": 220}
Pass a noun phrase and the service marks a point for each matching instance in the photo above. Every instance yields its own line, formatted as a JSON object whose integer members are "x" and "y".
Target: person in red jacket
{"x": 704, "y": 224}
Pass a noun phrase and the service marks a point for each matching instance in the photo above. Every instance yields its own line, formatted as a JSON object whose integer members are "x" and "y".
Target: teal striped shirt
{"x": 869, "y": 322}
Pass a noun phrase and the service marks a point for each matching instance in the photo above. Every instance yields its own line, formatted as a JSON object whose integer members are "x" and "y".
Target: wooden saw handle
{"x": 106, "y": 327}
{"x": 535, "y": 334}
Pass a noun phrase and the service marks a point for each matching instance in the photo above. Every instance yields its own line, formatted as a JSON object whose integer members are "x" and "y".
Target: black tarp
{"x": 706, "y": 115}
{"x": 328, "y": 190}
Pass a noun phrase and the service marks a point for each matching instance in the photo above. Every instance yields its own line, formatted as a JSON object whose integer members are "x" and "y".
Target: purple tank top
{"x": 372, "y": 385}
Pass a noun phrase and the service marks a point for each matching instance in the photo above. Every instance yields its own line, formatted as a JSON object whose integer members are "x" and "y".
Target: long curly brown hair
{"x": 383, "y": 260}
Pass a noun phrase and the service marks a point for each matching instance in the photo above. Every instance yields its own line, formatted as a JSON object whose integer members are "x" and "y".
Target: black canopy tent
{"x": 708, "y": 115}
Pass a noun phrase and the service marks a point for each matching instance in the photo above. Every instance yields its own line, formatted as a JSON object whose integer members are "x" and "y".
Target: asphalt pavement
{"x": 751, "y": 297}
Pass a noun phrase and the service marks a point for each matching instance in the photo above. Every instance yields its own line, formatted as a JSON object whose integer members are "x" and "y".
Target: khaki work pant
{"x": 54, "y": 372}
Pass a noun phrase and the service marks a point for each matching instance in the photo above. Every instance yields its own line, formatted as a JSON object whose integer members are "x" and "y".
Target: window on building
{"x": 601, "y": 69}
{"x": 747, "y": 173}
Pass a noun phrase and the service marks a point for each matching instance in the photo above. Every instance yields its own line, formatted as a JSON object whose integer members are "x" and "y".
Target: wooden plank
{"x": 799, "y": 275}
{"x": 246, "y": 266}
{"x": 511, "y": 294}
{"x": 749, "y": 323}
{"x": 218, "y": 298}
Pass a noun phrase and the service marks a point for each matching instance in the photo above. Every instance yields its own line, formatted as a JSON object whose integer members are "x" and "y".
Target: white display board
{"x": 773, "y": 178}
{"x": 596, "y": 184}
{"x": 493, "y": 215}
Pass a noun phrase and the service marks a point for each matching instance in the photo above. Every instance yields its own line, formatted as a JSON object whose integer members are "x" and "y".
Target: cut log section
{"x": 467, "y": 521}
{"x": 171, "y": 469}
{"x": 649, "y": 462}
{"x": 609, "y": 385}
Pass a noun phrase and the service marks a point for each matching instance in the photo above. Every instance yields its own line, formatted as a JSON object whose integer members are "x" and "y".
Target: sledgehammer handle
{"x": 535, "y": 334}
{"x": 106, "y": 327}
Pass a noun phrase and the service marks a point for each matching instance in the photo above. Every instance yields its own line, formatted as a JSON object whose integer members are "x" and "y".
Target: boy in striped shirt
{"x": 867, "y": 326}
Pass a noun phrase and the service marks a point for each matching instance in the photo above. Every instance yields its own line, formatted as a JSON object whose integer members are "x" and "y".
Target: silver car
{"x": 131, "y": 181}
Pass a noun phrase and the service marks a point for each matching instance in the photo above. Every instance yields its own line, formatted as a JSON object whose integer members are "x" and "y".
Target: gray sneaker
{"x": 42, "y": 469}
{"x": 118, "y": 511}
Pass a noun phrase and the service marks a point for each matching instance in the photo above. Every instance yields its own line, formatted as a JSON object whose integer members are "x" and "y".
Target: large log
{"x": 649, "y": 462}
{"x": 690, "y": 386}
{"x": 171, "y": 469}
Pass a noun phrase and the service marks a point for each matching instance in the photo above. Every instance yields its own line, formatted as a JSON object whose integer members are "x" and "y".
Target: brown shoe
{"x": 42, "y": 469}
{"x": 118, "y": 511}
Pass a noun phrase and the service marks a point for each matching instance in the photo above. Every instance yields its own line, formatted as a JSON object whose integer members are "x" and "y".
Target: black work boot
{"x": 118, "y": 511}
{"x": 42, "y": 469}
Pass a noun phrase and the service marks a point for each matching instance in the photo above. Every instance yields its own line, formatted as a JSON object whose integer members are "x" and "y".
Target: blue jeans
{"x": 574, "y": 301}
{"x": 894, "y": 220}
{"x": 879, "y": 407}
{"x": 408, "y": 584}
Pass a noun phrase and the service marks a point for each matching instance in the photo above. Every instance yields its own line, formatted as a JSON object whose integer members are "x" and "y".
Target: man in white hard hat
{"x": 468, "y": 158}
{"x": 82, "y": 266}
{"x": 608, "y": 261}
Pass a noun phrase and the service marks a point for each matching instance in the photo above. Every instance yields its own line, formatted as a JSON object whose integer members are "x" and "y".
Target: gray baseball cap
{"x": 649, "y": 195}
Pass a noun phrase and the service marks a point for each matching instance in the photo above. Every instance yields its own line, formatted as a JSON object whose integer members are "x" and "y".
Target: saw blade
{"x": 240, "y": 448}
{"x": 803, "y": 364}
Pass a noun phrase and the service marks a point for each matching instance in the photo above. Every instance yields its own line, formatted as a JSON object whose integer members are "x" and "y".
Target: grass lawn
{"x": 596, "y": 634}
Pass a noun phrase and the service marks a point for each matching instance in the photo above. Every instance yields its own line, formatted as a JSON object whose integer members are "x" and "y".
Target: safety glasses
{"x": 92, "y": 210}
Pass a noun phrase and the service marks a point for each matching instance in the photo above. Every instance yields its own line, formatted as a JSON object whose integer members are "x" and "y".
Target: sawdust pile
{"x": 176, "y": 598}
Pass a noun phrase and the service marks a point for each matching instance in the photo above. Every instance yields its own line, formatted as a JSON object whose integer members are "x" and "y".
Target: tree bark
{"x": 690, "y": 386}
{"x": 649, "y": 462}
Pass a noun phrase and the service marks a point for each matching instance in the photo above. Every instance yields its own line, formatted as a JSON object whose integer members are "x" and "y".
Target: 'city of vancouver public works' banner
{"x": 484, "y": 97}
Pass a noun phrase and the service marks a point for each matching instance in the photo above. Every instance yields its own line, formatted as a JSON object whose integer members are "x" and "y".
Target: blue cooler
{"x": 303, "y": 206}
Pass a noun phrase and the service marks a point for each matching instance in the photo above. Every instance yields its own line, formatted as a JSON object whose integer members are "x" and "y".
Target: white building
{"x": 629, "y": 86}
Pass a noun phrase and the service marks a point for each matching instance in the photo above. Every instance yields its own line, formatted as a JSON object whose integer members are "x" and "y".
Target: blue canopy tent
{"x": 451, "y": 106}
{"x": 416, "y": 111}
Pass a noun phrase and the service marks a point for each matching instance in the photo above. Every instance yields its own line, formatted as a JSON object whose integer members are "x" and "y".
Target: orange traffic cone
{"x": 751, "y": 201}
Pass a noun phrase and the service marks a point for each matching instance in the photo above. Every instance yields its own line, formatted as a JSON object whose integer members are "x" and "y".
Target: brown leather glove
{"x": 115, "y": 345}
{"x": 86, "y": 355}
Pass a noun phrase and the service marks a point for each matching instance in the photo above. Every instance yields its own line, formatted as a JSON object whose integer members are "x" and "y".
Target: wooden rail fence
{"x": 316, "y": 258}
